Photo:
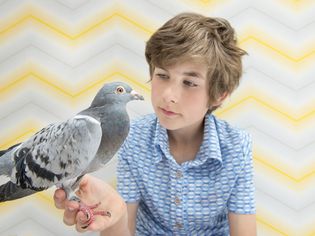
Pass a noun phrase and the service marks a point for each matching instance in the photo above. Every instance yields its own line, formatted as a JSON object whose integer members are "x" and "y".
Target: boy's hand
{"x": 91, "y": 191}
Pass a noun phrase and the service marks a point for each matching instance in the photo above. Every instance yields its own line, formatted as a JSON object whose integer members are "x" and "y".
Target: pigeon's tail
{"x": 7, "y": 162}
{"x": 2, "y": 152}
{"x": 10, "y": 191}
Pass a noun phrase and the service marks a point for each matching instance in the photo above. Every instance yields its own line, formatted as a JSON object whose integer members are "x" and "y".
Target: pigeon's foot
{"x": 75, "y": 198}
{"x": 90, "y": 213}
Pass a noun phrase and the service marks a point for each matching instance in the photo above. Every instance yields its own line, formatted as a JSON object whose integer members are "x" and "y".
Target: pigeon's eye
{"x": 120, "y": 90}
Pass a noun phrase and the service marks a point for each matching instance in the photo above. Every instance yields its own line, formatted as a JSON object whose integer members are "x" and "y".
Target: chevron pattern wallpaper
{"x": 56, "y": 54}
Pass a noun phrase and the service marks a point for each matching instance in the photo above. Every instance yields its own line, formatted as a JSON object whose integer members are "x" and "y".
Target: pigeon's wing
{"x": 56, "y": 153}
{"x": 10, "y": 191}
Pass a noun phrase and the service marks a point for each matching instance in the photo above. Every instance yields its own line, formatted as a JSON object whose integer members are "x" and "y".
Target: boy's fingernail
{"x": 71, "y": 209}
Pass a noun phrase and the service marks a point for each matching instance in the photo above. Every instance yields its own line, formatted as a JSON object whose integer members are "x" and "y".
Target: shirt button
{"x": 177, "y": 200}
{"x": 178, "y": 225}
{"x": 179, "y": 174}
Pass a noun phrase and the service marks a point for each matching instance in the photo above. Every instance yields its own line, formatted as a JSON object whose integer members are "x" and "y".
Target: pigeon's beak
{"x": 136, "y": 96}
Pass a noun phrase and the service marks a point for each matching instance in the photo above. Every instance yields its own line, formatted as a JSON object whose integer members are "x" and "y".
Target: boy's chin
{"x": 169, "y": 124}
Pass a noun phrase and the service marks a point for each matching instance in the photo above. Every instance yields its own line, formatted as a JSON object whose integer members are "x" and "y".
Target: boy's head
{"x": 193, "y": 36}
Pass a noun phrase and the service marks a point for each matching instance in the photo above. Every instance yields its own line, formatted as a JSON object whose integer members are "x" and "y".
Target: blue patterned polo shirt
{"x": 192, "y": 198}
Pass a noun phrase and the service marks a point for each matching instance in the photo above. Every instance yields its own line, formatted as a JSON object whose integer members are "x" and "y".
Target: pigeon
{"x": 62, "y": 153}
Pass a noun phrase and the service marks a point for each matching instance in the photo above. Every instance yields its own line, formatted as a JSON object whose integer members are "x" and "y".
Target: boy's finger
{"x": 59, "y": 198}
{"x": 81, "y": 222}
{"x": 69, "y": 216}
{"x": 71, "y": 210}
{"x": 84, "y": 183}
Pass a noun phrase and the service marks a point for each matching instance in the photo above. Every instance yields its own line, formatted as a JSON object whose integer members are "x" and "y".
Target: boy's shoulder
{"x": 143, "y": 121}
{"x": 229, "y": 133}
{"x": 140, "y": 137}
{"x": 235, "y": 143}
{"x": 143, "y": 125}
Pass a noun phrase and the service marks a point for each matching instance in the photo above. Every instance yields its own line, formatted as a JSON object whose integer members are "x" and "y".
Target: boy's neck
{"x": 184, "y": 144}
{"x": 186, "y": 135}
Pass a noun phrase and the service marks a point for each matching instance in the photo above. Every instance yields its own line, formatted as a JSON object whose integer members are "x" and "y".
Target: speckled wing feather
{"x": 54, "y": 155}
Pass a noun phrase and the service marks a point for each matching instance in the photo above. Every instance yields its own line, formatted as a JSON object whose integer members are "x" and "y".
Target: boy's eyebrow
{"x": 193, "y": 74}
{"x": 160, "y": 68}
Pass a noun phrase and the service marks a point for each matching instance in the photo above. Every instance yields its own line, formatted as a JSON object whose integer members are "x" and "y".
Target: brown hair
{"x": 190, "y": 35}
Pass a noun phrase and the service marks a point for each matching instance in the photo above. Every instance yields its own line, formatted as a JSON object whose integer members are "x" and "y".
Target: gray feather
{"x": 60, "y": 154}
{"x": 11, "y": 191}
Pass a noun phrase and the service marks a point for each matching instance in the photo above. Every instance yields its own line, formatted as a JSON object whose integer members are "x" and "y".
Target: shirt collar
{"x": 209, "y": 149}
{"x": 160, "y": 142}
{"x": 210, "y": 146}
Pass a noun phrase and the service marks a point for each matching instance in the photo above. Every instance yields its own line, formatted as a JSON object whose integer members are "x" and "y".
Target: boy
{"x": 181, "y": 170}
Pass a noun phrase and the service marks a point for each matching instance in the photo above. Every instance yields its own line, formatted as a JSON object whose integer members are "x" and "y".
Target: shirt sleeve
{"x": 242, "y": 198}
{"x": 126, "y": 174}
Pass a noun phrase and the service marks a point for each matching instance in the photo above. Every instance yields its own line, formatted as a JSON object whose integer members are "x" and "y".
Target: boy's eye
{"x": 162, "y": 76}
{"x": 189, "y": 83}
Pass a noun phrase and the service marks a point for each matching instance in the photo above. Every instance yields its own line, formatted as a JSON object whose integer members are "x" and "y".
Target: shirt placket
{"x": 177, "y": 204}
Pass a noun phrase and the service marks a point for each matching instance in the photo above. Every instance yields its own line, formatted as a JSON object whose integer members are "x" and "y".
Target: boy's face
{"x": 180, "y": 94}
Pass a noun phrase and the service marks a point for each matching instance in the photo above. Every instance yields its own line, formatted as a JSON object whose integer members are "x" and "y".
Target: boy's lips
{"x": 168, "y": 112}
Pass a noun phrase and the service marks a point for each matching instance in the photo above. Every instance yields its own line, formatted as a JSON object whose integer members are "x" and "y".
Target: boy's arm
{"x": 127, "y": 225}
{"x": 132, "y": 209}
{"x": 242, "y": 219}
{"x": 242, "y": 225}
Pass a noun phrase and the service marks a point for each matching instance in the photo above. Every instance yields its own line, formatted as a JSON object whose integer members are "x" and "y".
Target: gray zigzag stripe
{"x": 281, "y": 202}
{"x": 86, "y": 60}
{"x": 271, "y": 17}
{"x": 277, "y": 140}
{"x": 76, "y": 7}
{"x": 295, "y": 89}
{"x": 27, "y": 105}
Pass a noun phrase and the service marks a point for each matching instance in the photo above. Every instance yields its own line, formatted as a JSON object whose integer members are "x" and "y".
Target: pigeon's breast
{"x": 115, "y": 128}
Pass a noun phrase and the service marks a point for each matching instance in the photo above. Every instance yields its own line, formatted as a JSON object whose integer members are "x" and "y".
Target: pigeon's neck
{"x": 115, "y": 127}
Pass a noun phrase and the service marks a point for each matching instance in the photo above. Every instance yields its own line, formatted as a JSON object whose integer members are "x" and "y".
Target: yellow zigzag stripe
{"x": 297, "y": 5}
{"x": 62, "y": 89}
{"x": 270, "y": 107}
{"x": 281, "y": 52}
{"x": 47, "y": 200}
{"x": 27, "y": 133}
{"x": 207, "y": 3}
{"x": 269, "y": 225}
{"x": 263, "y": 162}
{"x": 40, "y": 197}
{"x": 24, "y": 133}
{"x": 283, "y": 228}
{"x": 32, "y": 17}
{"x": 66, "y": 91}
{"x": 19, "y": 138}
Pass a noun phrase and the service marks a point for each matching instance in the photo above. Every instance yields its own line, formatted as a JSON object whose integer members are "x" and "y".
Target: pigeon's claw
{"x": 90, "y": 214}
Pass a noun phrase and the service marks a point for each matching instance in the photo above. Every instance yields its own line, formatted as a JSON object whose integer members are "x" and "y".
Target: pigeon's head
{"x": 115, "y": 93}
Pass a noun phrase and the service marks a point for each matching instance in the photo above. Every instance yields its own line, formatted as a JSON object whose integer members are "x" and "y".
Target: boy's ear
{"x": 220, "y": 99}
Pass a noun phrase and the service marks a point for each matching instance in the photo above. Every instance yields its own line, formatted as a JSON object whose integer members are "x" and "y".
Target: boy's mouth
{"x": 167, "y": 112}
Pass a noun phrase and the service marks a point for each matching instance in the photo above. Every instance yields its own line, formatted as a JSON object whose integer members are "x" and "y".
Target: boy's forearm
{"x": 119, "y": 229}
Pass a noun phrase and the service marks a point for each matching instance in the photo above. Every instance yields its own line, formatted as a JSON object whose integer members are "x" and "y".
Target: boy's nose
{"x": 171, "y": 94}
